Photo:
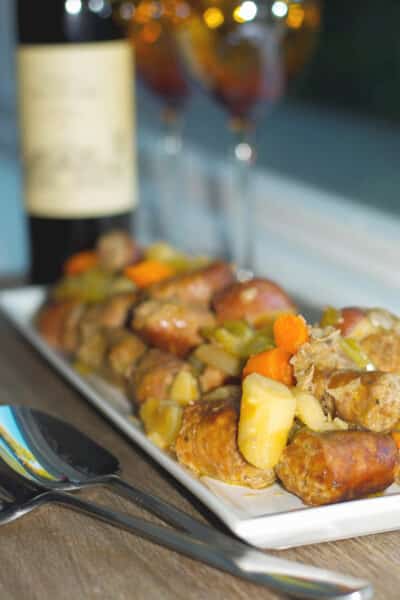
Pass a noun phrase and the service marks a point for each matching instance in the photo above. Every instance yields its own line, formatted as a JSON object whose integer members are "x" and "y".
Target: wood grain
{"x": 56, "y": 553}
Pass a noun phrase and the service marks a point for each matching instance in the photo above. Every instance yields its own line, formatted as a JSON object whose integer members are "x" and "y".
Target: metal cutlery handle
{"x": 282, "y": 576}
{"x": 170, "y": 514}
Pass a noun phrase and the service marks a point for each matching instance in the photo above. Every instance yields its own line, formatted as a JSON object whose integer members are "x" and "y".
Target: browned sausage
{"x": 369, "y": 399}
{"x": 116, "y": 250}
{"x": 116, "y": 310}
{"x": 71, "y": 335}
{"x": 92, "y": 351}
{"x": 207, "y": 444}
{"x": 112, "y": 313}
{"x": 171, "y": 326}
{"x": 196, "y": 287}
{"x": 337, "y": 466}
{"x": 383, "y": 349}
{"x": 154, "y": 375}
{"x": 124, "y": 351}
{"x": 351, "y": 317}
{"x": 256, "y": 300}
{"x": 58, "y": 323}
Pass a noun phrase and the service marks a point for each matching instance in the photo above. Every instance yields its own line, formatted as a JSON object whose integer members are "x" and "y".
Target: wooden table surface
{"x": 55, "y": 553}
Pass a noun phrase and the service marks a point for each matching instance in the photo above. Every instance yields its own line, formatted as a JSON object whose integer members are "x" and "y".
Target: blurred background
{"x": 330, "y": 149}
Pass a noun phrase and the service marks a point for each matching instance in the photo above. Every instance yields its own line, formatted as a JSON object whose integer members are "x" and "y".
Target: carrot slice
{"x": 80, "y": 263}
{"x": 148, "y": 272}
{"x": 290, "y": 332}
{"x": 273, "y": 364}
{"x": 396, "y": 437}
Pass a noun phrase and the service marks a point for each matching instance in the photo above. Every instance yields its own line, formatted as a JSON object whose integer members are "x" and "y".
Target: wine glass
{"x": 243, "y": 53}
{"x": 150, "y": 26}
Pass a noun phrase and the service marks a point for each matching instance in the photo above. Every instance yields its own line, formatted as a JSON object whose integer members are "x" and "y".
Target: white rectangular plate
{"x": 270, "y": 518}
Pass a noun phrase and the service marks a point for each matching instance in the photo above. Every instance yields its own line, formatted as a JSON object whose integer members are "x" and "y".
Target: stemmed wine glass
{"x": 243, "y": 53}
{"x": 150, "y": 26}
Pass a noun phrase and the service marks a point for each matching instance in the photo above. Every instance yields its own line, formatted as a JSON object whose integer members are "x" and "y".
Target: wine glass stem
{"x": 241, "y": 221}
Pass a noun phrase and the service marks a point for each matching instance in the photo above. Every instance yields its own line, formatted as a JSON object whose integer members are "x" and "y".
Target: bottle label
{"x": 77, "y": 127}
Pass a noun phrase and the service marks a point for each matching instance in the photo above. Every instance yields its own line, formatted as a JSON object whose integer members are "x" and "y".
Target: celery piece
{"x": 217, "y": 357}
{"x": 353, "y": 350}
{"x": 239, "y": 328}
{"x": 259, "y": 343}
{"x": 330, "y": 317}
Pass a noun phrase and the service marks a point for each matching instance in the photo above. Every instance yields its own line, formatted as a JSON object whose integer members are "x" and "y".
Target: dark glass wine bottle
{"x": 75, "y": 72}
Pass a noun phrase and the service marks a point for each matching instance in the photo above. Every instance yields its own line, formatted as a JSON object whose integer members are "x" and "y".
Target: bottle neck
{"x": 66, "y": 21}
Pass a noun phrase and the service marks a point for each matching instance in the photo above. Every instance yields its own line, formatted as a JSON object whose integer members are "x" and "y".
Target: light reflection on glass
{"x": 73, "y": 7}
{"x": 213, "y": 17}
{"x": 96, "y": 5}
{"x": 244, "y": 152}
{"x": 279, "y": 9}
{"x": 295, "y": 16}
{"x": 245, "y": 11}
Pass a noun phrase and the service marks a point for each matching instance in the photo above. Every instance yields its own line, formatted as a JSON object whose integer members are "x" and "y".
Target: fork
{"x": 19, "y": 496}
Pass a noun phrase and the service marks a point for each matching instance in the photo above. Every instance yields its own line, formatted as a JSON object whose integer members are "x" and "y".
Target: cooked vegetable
{"x": 354, "y": 351}
{"x": 331, "y": 317}
{"x": 80, "y": 263}
{"x": 290, "y": 332}
{"x": 273, "y": 364}
{"x": 90, "y": 286}
{"x": 260, "y": 342}
{"x": 211, "y": 378}
{"x": 233, "y": 337}
{"x": 396, "y": 437}
{"x": 196, "y": 364}
{"x": 180, "y": 262}
{"x": 219, "y": 358}
{"x": 266, "y": 417}
{"x": 310, "y": 412}
{"x": 163, "y": 252}
{"x": 184, "y": 389}
{"x": 120, "y": 285}
{"x": 147, "y": 272}
{"x": 223, "y": 392}
{"x": 162, "y": 421}
{"x": 228, "y": 341}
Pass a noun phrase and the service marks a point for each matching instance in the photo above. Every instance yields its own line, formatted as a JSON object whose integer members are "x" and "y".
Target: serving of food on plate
{"x": 227, "y": 376}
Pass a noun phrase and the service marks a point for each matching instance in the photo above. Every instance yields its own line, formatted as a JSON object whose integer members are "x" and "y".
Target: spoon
{"x": 56, "y": 455}
{"x": 40, "y": 456}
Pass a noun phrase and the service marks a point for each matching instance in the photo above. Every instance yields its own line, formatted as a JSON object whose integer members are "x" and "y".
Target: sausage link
{"x": 337, "y": 466}
{"x": 207, "y": 444}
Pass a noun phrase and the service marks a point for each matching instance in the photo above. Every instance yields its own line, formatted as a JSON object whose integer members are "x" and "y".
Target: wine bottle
{"x": 75, "y": 76}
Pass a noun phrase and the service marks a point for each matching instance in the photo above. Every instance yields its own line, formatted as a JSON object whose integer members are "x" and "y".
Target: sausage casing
{"x": 171, "y": 326}
{"x": 196, "y": 287}
{"x": 368, "y": 399}
{"x": 337, "y": 466}
{"x": 207, "y": 444}
{"x": 255, "y": 301}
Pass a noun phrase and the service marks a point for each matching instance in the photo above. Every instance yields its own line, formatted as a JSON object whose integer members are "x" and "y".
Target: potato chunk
{"x": 162, "y": 421}
{"x": 185, "y": 389}
{"x": 309, "y": 411}
{"x": 266, "y": 416}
